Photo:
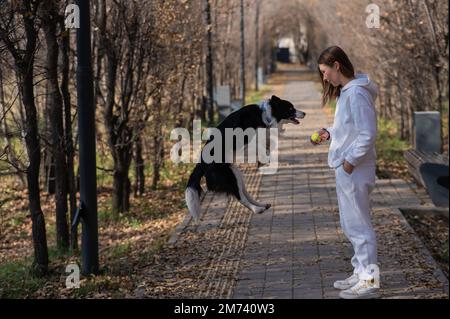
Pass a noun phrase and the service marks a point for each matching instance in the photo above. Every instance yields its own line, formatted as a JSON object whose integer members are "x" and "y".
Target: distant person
{"x": 353, "y": 157}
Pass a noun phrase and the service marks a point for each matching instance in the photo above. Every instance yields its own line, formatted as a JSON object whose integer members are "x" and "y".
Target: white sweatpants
{"x": 353, "y": 192}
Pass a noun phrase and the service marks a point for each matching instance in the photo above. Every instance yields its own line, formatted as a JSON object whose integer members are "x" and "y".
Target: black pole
{"x": 242, "y": 55}
{"x": 258, "y": 4}
{"x": 209, "y": 65}
{"x": 86, "y": 133}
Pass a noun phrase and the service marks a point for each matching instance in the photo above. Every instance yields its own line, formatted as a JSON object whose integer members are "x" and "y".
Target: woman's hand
{"x": 323, "y": 134}
{"x": 348, "y": 168}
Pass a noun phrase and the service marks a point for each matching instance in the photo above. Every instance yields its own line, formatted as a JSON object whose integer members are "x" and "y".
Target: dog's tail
{"x": 194, "y": 191}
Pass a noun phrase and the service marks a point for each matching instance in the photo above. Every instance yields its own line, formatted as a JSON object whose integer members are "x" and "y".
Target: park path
{"x": 296, "y": 249}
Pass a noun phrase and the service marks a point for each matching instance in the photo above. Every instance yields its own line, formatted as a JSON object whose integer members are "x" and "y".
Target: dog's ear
{"x": 275, "y": 98}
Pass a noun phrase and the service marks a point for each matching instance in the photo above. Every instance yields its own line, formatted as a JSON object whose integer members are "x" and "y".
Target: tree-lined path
{"x": 296, "y": 249}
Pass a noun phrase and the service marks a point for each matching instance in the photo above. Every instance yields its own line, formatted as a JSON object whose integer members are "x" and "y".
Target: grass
{"x": 106, "y": 214}
{"x": 17, "y": 279}
{"x": 95, "y": 285}
{"x": 54, "y": 253}
{"x": 18, "y": 149}
{"x": 16, "y": 221}
{"x": 332, "y": 105}
{"x": 134, "y": 223}
{"x": 151, "y": 211}
{"x": 389, "y": 145}
{"x": 121, "y": 250}
{"x": 178, "y": 173}
{"x": 146, "y": 255}
{"x": 118, "y": 268}
{"x": 254, "y": 97}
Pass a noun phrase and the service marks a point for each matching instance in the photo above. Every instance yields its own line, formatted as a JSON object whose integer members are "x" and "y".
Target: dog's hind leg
{"x": 245, "y": 198}
{"x": 244, "y": 201}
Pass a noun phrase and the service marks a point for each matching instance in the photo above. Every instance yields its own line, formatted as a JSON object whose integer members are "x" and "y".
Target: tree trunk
{"x": 111, "y": 126}
{"x": 70, "y": 153}
{"x": 57, "y": 128}
{"x": 100, "y": 49}
{"x": 179, "y": 117}
{"x": 203, "y": 106}
{"x": 158, "y": 159}
{"x": 7, "y": 134}
{"x": 119, "y": 137}
{"x": 121, "y": 186}
{"x": 40, "y": 264}
{"x": 49, "y": 169}
{"x": 157, "y": 144}
{"x": 257, "y": 44}
{"x": 436, "y": 71}
{"x": 48, "y": 159}
{"x": 26, "y": 85}
{"x": 402, "y": 109}
{"x": 139, "y": 186}
{"x": 209, "y": 65}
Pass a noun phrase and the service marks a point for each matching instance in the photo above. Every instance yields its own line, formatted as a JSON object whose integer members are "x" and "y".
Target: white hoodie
{"x": 354, "y": 130}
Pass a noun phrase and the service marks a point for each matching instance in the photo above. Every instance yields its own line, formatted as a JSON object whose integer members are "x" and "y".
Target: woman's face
{"x": 330, "y": 74}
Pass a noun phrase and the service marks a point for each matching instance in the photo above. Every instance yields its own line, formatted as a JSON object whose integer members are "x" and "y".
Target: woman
{"x": 352, "y": 155}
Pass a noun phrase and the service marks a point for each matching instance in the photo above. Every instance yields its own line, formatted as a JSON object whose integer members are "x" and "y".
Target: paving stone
{"x": 296, "y": 249}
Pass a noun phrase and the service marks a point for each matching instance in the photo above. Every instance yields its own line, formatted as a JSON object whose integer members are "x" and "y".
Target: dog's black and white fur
{"x": 226, "y": 177}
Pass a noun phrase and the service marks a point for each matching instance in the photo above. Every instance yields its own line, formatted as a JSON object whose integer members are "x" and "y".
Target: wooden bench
{"x": 415, "y": 159}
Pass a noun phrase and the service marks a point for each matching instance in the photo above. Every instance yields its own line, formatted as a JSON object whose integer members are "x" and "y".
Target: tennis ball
{"x": 316, "y": 138}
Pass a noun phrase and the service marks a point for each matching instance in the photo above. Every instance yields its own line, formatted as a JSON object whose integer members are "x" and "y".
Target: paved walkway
{"x": 296, "y": 249}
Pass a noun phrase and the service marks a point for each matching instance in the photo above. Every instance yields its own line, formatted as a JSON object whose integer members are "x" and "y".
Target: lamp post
{"x": 86, "y": 132}
{"x": 242, "y": 54}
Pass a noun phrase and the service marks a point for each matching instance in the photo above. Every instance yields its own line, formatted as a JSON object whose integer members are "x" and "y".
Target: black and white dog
{"x": 225, "y": 177}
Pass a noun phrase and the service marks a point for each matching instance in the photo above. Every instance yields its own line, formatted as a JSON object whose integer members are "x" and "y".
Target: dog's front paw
{"x": 261, "y": 209}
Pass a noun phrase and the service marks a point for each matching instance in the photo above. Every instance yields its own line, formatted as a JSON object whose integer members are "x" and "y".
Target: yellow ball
{"x": 316, "y": 138}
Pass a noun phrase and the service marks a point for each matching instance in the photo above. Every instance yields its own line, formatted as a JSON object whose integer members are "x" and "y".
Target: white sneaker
{"x": 364, "y": 289}
{"x": 346, "y": 283}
